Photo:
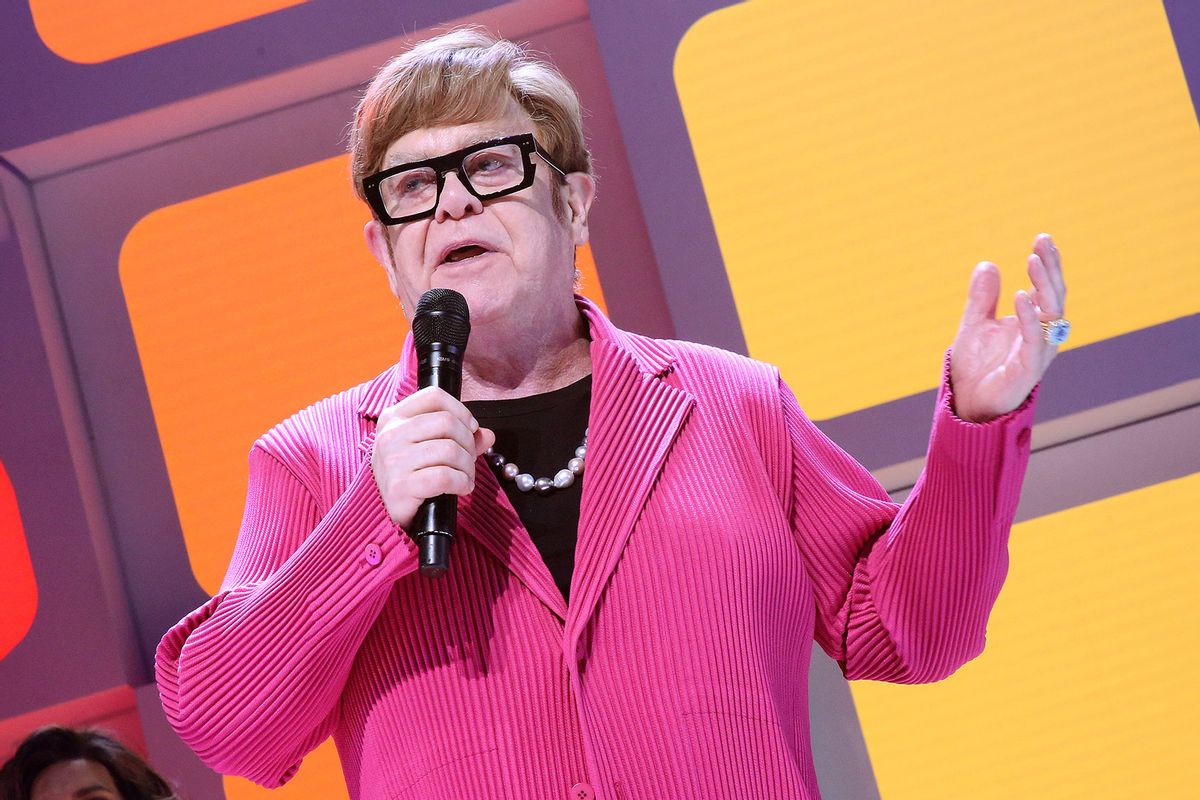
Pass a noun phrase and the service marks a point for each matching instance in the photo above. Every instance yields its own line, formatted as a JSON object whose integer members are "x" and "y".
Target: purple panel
{"x": 620, "y": 243}
{"x": 1094, "y": 375}
{"x": 1121, "y": 460}
{"x": 173, "y": 759}
{"x": 1184, "y": 17}
{"x": 72, "y": 647}
{"x": 83, "y": 250}
{"x": 45, "y": 95}
{"x": 638, "y": 42}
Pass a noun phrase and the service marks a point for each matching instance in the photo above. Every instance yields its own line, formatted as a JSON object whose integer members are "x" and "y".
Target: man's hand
{"x": 425, "y": 446}
{"x": 996, "y": 363}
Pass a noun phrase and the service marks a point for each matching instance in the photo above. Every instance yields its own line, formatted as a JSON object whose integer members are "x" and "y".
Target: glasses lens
{"x": 410, "y": 192}
{"x": 489, "y": 171}
{"x": 495, "y": 169}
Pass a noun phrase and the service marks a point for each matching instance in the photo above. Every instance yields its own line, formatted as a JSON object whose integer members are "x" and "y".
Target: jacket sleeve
{"x": 251, "y": 680}
{"x": 903, "y": 592}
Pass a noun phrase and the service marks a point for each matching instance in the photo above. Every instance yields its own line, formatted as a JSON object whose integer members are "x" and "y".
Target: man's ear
{"x": 377, "y": 242}
{"x": 581, "y": 191}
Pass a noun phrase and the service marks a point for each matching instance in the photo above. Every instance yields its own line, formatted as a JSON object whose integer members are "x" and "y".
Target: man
{"x": 662, "y": 652}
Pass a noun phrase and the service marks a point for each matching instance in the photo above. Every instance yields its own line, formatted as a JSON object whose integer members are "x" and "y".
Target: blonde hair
{"x": 465, "y": 76}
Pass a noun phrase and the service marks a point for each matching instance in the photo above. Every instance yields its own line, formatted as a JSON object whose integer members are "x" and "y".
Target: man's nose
{"x": 456, "y": 200}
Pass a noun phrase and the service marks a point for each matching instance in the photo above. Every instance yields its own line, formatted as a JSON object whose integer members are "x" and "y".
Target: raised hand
{"x": 995, "y": 363}
{"x": 425, "y": 446}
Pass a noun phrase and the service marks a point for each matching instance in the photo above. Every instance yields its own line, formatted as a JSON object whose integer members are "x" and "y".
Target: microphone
{"x": 441, "y": 325}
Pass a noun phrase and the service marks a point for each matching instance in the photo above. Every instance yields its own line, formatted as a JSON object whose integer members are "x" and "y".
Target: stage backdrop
{"x": 808, "y": 182}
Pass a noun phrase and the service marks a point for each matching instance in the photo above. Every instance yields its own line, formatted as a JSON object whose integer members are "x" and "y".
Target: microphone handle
{"x": 437, "y": 518}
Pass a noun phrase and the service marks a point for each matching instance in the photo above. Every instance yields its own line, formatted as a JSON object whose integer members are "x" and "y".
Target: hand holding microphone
{"x": 426, "y": 445}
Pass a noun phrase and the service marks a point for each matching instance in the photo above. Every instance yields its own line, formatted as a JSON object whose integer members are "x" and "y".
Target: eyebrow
{"x": 89, "y": 789}
{"x": 485, "y": 136}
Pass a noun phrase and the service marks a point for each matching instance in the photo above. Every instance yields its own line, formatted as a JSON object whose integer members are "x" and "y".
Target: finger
{"x": 484, "y": 438}
{"x": 439, "y": 453}
{"x": 1046, "y": 250}
{"x": 426, "y": 427}
{"x": 435, "y": 481}
{"x": 1045, "y": 295}
{"x": 428, "y": 400}
{"x": 982, "y": 294}
{"x": 1031, "y": 328}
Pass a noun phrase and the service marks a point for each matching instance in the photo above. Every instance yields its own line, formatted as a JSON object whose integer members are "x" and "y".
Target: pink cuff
{"x": 946, "y": 399}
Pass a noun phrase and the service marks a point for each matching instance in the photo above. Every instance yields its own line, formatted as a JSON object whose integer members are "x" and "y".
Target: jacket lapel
{"x": 634, "y": 419}
{"x": 488, "y": 516}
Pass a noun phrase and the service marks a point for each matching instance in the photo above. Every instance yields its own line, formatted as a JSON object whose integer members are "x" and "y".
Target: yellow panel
{"x": 101, "y": 30}
{"x": 247, "y": 305}
{"x": 860, "y": 158}
{"x": 1087, "y": 687}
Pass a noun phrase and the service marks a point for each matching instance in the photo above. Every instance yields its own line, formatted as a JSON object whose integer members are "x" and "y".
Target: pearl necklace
{"x": 526, "y": 482}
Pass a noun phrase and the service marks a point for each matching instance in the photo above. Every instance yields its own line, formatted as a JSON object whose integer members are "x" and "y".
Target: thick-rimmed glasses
{"x": 488, "y": 169}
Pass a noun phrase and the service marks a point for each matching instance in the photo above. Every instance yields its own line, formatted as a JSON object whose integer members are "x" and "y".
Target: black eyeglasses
{"x": 488, "y": 169}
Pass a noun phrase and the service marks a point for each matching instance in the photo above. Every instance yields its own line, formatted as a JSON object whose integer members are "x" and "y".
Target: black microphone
{"x": 440, "y": 328}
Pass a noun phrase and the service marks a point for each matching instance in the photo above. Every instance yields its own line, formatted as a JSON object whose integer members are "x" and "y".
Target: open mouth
{"x": 465, "y": 253}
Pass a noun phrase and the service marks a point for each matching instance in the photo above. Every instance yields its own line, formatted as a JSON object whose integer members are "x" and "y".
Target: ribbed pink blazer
{"x": 720, "y": 533}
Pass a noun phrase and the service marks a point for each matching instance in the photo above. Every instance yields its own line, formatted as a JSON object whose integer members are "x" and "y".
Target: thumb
{"x": 982, "y": 294}
{"x": 484, "y": 438}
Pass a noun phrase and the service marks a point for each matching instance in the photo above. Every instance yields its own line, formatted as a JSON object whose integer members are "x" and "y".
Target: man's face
{"x": 509, "y": 256}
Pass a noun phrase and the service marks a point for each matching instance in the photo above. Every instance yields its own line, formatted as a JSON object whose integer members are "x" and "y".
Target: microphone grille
{"x": 441, "y": 316}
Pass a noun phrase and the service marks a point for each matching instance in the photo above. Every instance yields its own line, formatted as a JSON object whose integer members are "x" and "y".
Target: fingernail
{"x": 474, "y": 424}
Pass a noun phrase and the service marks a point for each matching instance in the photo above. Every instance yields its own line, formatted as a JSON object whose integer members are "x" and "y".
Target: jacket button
{"x": 582, "y": 791}
{"x": 373, "y": 554}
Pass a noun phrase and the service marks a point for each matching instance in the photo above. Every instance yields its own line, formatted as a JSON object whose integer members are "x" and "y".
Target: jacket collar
{"x": 651, "y": 357}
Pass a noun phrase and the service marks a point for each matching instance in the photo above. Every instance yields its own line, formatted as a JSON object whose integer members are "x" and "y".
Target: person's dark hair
{"x": 45, "y": 747}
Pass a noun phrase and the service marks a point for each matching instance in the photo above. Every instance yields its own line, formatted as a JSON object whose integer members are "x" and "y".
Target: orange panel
{"x": 589, "y": 281}
{"x": 101, "y": 30}
{"x": 18, "y": 588}
{"x": 319, "y": 779}
{"x": 247, "y": 305}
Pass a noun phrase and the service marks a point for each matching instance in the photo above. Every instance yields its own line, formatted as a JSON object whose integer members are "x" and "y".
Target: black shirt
{"x": 539, "y": 434}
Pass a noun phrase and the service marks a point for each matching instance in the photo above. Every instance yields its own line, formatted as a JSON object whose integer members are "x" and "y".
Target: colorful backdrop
{"x": 806, "y": 181}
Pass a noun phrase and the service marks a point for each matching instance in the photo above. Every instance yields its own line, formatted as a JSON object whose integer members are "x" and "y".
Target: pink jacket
{"x": 720, "y": 532}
